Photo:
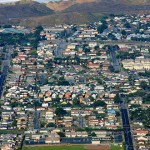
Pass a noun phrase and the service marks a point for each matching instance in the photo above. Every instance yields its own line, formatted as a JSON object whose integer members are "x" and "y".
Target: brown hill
{"x": 61, "y": 18}
{"x": 23, "y": 10}
{"x": 71, "y": 11}
{"x": 110, "y": 6}
{"x": 62, "y": 5}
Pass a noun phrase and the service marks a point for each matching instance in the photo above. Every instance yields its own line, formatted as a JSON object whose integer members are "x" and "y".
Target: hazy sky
{"x": 4, "y": 1}
{"x": 8, "y": 1}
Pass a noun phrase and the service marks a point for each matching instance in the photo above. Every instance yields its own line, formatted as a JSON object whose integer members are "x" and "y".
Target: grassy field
{"x": 116, "y": 148}
{"x": 78, "y": 147}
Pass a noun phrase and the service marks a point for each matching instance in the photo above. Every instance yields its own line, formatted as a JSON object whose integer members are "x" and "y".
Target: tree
{"x": 99, "y": 103}
{"x": 117, "y": 98}
{"x": 146, "y": 99}
{"x": 7, "y": 26}
{"x": 60, "y": 112}
{"x": 112, "y": 36}
{"x": 99, "y": 81}
{"x": 93, "y": 134}
{"x": 15, "y": 53}
{"x": 43, "y": 124}
{"x": 91, "y": 98}
{"x": 144, "y": 85}
{"x": 51, "y": 125}
{"x": 123, "y": 32}
{"x": 127, "y": 25}
{"x": 14, "y": 123}
{"x": 86, "y": 50}
{"x": 62, "y": 81}
{"x": 76, "y": 102}
{"x": 111, "y": 68}
{"x": 96, "y": 47}
{"x": 102, "y": 27}
{"x": 37, "y": 103}
{"x": 61, "y": 134}
{"x": 33, "y": 52}
{"x": 145, "y": 74}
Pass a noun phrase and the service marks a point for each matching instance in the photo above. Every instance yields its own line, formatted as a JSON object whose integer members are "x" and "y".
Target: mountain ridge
{"x": 62, "y": 5}
{"x": 28, "y": 12}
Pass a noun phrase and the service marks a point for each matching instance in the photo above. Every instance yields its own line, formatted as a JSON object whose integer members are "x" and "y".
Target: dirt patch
{"x": 97, "y": 147}
{"x": 62, "y": 5}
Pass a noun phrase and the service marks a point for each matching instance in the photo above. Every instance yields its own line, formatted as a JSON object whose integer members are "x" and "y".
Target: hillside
{"x": 61, "y": 18}
{"x": 32, "y": 13}
{"x": 23, "y": 10}
{"x": 110, "y": 6}
{"x": 62, "y": 5}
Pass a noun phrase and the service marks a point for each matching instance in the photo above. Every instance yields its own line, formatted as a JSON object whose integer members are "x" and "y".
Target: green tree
{"x": 43, "y": 124}
{"x": 144, "y": 85}
{"x": 99, "y": 103}
{"x": 33, "y": 52}
{"x": 117, "y": 98}
{"x": 60, "y": 112}
{"x": 111, "y": 68}
{"x": 123, "y": 32}
{"x": 51, "y": 125}
{"x": 61, "y": 134}
{"x": 96, "y": 47}
{"x": 102, "y": 27}
{"x": 14, "y": 123}
{"x": 76, "y": 102}
{"x": 93, "y": 134}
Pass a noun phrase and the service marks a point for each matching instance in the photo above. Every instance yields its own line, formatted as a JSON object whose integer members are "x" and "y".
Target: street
{"x": 61, "y": 46}
{"x": 4, "y": 70}
{"x": 126, "y": 127}
{"x": 114, "y": 60}
{"x": 36, "y": 119}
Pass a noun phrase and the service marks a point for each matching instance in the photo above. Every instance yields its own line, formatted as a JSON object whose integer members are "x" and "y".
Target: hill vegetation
{"x": 32, "y": 13}
{"x": 23, "y": 10}
{"x": 62, "y": 5}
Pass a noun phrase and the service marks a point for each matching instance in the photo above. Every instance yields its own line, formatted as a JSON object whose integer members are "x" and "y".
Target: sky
{"x": 42, "y": 1}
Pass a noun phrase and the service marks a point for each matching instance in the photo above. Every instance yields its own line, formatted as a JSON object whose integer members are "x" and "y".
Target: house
{"x": 53, "y": 138}
{"x": 140, "y": 132}
{"x": 95, "y": 141}
{"x": 70, "y": 133}
{"x": 93, "y": 65}
{"x": 49, "y": 115}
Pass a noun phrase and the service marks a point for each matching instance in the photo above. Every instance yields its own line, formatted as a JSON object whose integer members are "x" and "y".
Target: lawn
{"x": 78, "y": 147}
{"x": 116, "y": 148}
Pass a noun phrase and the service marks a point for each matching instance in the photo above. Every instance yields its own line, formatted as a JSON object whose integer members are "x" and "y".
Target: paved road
{"x": 76, "y": 141}
{"x": 114, "y": 61}
{"x": 4, "y": 70}
{"x": 81, "y": 121}
{"x": 118, "y": 42}
{"x": 126, "y": 127}
{"x": 62, "y": 44}
{"x": 36, "y": 119}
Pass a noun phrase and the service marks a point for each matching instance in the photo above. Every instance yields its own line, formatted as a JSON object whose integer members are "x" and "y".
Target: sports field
{"x": 71, "y": 147}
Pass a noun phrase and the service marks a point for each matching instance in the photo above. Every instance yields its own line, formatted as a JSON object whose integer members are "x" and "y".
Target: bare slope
{"x": 110, "y": 6}
{"x": 68, "y": 18}
{"x": 62, "y": 5}
{"x": 23, "y": 10}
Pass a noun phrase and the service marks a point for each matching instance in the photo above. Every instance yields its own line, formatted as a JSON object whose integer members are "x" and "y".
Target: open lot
{"x": 70, "y": 147}
{"x": 74, "y": 147}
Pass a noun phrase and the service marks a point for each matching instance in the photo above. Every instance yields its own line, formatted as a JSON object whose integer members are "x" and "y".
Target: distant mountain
{"x": 73, "y": 4}
{"x": 29, "y": 12}
{"x": 23, "y": 10}
{"x": 111, "y": 6}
